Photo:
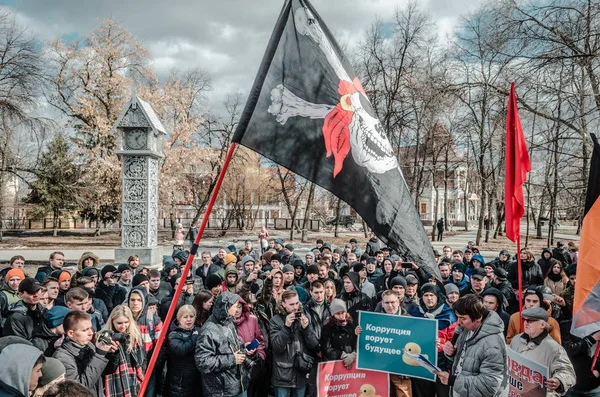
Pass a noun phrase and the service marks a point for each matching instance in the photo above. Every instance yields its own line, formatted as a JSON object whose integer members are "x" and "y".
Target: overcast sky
{"x": 227, "y": 38}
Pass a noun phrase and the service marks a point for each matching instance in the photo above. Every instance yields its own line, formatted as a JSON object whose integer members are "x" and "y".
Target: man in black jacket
{"x": 28, "y": 313}
{"x": 108, "y": 290}
{"x": 355, "y": 299}
{"x": 292, "y": 341}
{"x": 318, "y": 310}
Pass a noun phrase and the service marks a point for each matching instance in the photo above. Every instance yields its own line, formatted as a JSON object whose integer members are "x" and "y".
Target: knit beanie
{"x": 181, "y": 255}
{"x": 337, "y": 306}
{"x": 450, "y": 287}
{"x": 138, "y": 279}
{"x": 429, "y": 287}
{"x": 312, "y": 269}
{"x": 15, "y": 273}
{"x": 288, "y": 269}
{"x": 459, "y": 266}
{"x": 56, "y": 315}
{"x": 90, "y": 271}
{"x": 213, "y": 280}
{"x": 228, "y": 259}
{"x": 107, "y": 269}
{"x": 398, "y": 280}
{"x": 52, "y": 370}
{"x": 123, "y": 267}
{"x": 64, "y": 276}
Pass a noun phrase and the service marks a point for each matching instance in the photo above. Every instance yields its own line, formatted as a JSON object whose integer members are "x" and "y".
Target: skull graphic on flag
{"x": 351, "y": 124}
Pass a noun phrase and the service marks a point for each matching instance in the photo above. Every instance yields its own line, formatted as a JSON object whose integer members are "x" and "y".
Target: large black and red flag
{"x": 586, "y": 307}
{"x": 308, "y": 112}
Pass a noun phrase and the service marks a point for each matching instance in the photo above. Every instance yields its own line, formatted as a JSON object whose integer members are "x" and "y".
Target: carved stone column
{"x": 139, "y": 138}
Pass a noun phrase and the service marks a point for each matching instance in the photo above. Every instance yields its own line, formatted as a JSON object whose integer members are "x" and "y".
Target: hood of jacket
{"x": 17, "y": 362}
{"x": 355, "y": 278}
{"x": 373, "y": 239}
{"x": 87, "y": 255}
{"x": 220, "y": 310}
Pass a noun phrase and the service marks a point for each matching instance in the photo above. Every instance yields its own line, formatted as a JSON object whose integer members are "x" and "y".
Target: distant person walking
{"x": 263, "y": 238}
{"x": 440, "y": 229}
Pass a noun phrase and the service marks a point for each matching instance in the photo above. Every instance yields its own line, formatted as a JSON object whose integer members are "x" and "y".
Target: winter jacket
{"x": 368, "y": 289}
{"x": 164, "y": 290}
{"x": 447, "y": 323}
{"x": 546, "y": 264}
{"x": 502, "y": 264}
{"x": 44, "y": 339}
{"x": 317, "y": 321}
{"x": 215, "y": 347}
{"x": 213, "y": 268}
{"x": 183, "y": 378}
{"x": 22, "y": 320}
{"x": 373, "y": 277}
{"x": 545, "y": 351}
{"x": 17, "y": 362}
{"x": 83, "y": 364}
{"x": 557, "y": 287}
{"x": 8, "y": 297}
{"x": 509, "y": 295}
{"x": 356, "y": 300}
{"x": 43, "y": 273}
{"x": 562, "y": 255}
{"x": 111, "y": 295}
{"x": 484, "y": 371}
{"x": 514, "y": 328}
{"x": 580, "y": 352}
{"x": 286, "y": 344}
{"x": 532, "y": 274}
{"x": 86, "y": 255}
{"x": 248, "y": 330}
{"x": 337, "y": 339}
{"x": 373, "y": 245}
{"x": 462, "y": 284}
{"x": 165, "y": 304}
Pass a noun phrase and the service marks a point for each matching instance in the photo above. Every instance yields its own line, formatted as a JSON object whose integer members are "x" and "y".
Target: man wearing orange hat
{"x": 9, "y": 293}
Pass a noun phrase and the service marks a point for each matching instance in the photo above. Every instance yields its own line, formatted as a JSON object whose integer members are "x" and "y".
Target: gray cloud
{"x": 227, "y": 38}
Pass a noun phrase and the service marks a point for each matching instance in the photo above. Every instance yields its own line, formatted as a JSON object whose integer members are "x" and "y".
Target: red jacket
{"x": 248, "y": 329}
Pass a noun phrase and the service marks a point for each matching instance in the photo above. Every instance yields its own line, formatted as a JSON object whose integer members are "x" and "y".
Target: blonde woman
{"x": 125, "y": 372}
{"x": 183, "y": 379}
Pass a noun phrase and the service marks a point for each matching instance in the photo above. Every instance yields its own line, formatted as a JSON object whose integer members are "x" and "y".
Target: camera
{"x": 298, "y": 315}
{"x": 247, "y": 361}
{"x": 189, "y": 280}
{"x": 106, "y": 336}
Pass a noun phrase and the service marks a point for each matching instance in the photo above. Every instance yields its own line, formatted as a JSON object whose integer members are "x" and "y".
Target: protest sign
{"x": 526, "y": 378}
{"x": 334, "y": 380}
{"x": 384, "y": 338}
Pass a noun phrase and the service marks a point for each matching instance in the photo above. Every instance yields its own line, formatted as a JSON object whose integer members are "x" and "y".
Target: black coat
{"x": 22, "y": 320}
{"x": 183, "y": 378}
{"x": 111, "y": 295}
{"x": 532, "y": 274}
{"x": 336, "y": 340}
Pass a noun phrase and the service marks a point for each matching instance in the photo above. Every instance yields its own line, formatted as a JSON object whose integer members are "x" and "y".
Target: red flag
{"x": 517, "y": 167}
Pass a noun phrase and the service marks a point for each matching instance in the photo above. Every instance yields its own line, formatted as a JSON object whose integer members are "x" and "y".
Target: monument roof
{"x": 147, "y": 111}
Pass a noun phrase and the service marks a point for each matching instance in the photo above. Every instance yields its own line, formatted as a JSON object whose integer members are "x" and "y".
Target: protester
{"x": 83, "y": 361}
{"x": 125, "y": 372}
{"x": 219, "y": 354}
{"x": 479, "y": 366}
{"x": 292, "y": 339}
{"x": 20, "y": 371}
{"x": 56, "y": 262}
{"x": 87, "y": 259}
{"x": 531, "y": 298}
{"x": 107, "y": 290}
{"x": 536, "y": 345}
{"x": 26, "y": 314}
{"x": 16, "y": 262}
{"x": 338, "y": 340}
{"x": 203, "y": 302}
{"x": 556, "y": 278}
{"x": 183, "y": 378}
{"x": 493, "y": 300}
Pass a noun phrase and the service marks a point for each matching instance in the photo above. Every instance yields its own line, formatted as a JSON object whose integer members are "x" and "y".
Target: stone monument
{"x": 139, "y": 142}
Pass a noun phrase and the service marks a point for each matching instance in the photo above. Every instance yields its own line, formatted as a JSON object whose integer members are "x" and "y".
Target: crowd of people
{"x": 257, "y": 322}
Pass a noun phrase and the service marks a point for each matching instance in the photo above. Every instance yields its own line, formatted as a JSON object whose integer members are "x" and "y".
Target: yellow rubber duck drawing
{"x": 368, "y": 391}
{"x": 412, "y": 348}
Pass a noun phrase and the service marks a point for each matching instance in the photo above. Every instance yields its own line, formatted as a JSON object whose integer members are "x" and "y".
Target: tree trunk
{"x": 365, "y": 231}
{"x": 311, "y": 194}
{"x": 337, "y": 218}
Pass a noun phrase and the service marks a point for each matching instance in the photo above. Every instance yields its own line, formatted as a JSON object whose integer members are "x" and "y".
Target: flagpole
{"x": 520, "y": 275}
{"x": 188, "y": 265}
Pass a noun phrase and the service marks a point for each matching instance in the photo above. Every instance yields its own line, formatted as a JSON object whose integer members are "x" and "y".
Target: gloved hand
{"x": 348, "y": 359}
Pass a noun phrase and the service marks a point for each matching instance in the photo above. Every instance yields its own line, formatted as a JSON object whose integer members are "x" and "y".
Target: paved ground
{"x": 213, "y": 244}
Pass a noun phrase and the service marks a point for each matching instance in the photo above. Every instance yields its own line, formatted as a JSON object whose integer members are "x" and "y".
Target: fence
{"x": 163, "y": 224}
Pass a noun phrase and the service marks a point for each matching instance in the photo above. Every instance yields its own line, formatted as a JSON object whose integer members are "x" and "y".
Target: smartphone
{"x": 253, "y": 345}
{"x": 406, "y": 265}
{"x": 189, "y": 281}
{"x": 298, "y": 314}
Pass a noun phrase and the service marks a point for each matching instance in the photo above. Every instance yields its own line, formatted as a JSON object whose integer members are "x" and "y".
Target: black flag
{"x": 309, "y": 112}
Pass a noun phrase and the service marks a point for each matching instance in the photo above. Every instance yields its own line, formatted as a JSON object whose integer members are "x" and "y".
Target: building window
{"x": 423, "y": 208}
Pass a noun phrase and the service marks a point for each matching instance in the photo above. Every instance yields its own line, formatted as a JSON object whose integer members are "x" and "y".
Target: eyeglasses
{"x": 530, "y": 320}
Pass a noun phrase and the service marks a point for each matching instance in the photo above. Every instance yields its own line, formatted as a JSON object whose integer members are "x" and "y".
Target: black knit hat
{"x": 312, "y": 269}
{"x": 429, "y": 287}
{"x": 107, "y": 269}
{"x": 138, "y": 279}
{"x": 213, "y": 280}
{"x": 398, "y": 280}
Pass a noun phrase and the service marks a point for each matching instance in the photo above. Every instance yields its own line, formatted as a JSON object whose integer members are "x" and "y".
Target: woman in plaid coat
{"x": 125, "y": 372}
